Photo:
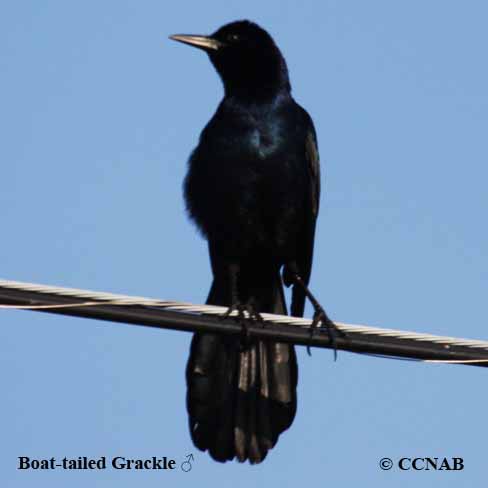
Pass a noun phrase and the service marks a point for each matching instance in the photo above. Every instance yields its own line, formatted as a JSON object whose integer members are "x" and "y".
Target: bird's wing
{"x": 312, "y": 156}
{"x": 305, "y": 247}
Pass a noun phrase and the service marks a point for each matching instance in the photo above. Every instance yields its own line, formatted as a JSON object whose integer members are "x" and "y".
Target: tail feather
{"x": 240, "y": 401}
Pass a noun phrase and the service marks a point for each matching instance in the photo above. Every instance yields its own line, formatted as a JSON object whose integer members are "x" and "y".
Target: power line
{"x": 203, "y": 318}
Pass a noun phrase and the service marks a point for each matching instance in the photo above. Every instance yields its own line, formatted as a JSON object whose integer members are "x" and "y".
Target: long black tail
{"x": 240, "y": 401}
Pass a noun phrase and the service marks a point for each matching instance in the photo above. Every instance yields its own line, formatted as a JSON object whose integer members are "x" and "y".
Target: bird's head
{"x": 246, "y": 58}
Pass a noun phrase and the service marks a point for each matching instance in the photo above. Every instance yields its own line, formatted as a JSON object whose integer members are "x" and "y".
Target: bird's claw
{"x": 235, "y": 307}
{"x": 320, "y": 319}
{"x": 242, "y": 310}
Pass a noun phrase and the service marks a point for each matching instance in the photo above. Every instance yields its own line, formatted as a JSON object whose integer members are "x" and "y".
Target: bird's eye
{"x": 233, "y": 37}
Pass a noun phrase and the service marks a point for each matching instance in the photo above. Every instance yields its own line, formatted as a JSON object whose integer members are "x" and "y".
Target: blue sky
{"x": 99, "y": 114}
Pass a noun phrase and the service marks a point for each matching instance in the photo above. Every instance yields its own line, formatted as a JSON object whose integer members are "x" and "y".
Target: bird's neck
{"x": 259, "y": 102}
{"x": 262, "y": 82}
{"x": 258, "y": 91}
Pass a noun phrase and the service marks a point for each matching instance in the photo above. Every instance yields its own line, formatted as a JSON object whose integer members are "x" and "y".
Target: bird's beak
{"x": 203, "y": 42}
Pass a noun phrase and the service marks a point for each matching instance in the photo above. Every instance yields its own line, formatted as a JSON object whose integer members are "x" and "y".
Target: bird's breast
{"x": 262, "y": 142}
{"x": 257, "y": 134}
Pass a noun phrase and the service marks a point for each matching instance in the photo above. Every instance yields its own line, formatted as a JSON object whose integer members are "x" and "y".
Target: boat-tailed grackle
{"x": 253, "y": 189}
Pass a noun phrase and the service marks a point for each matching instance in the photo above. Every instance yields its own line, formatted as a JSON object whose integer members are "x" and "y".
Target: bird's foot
{"x": 320, "y": 319}
{"x": 252, "y": 315}
{"x": 242, "y": 309}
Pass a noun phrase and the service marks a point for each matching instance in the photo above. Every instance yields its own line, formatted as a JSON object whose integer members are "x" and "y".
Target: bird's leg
{"x": 239, "y": 307}
{"x": 319, "y": 317}
{"x": 235, "y": 304}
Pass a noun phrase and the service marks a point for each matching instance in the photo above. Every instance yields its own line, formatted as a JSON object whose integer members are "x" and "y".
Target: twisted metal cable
{"x": 92, "y": 299}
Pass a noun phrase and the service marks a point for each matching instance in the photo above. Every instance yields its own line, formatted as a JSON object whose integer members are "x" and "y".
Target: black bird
{"x": 253, "y": 188}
